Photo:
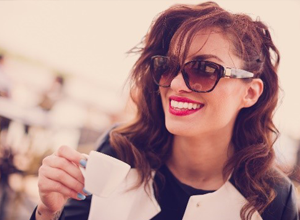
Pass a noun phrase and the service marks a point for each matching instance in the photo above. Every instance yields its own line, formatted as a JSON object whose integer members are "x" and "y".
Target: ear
{"x": 254, "y": 90}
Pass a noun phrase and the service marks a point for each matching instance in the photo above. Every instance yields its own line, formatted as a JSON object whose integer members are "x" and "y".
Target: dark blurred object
{"x": 5, "y": 87}
{"x": 5, "y": 83}
{"x": 4, "y": 123}
{"x": 16, "y": 168}
{"x": 7, "y": 168}
{"x": 54, "y": 93}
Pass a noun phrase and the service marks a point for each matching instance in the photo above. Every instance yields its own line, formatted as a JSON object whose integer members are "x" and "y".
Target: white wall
{"x": 89, "y": 39}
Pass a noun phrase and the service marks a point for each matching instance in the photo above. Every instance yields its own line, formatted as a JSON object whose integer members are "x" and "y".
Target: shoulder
{"x": 284, "y": 206}
{"x": 103, "y": 143}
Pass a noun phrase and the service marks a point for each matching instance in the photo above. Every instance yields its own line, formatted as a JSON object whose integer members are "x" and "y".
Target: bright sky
{"x": 89, "y": 39}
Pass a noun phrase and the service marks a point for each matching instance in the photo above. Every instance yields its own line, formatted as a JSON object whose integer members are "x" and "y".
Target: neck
{"x": 200, "y": 162}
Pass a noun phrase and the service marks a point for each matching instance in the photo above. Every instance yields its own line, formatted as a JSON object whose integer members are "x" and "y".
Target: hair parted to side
{"x": 145, "y": 143}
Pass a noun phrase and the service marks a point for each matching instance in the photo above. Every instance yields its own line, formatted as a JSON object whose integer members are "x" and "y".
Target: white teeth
{"x": 184, "y": 105}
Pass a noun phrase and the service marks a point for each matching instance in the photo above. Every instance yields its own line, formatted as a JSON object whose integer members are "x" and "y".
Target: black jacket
{"x": 284, "y": 206}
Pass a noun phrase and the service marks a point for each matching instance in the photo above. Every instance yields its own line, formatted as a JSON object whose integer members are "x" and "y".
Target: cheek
{"x": 229, "y": 96}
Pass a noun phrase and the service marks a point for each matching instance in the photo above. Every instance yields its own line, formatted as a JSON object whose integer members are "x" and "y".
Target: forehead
{"x": 211, "y": 41}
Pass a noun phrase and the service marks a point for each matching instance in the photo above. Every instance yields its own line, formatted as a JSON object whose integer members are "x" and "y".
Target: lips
{"x": 181, "y": 106}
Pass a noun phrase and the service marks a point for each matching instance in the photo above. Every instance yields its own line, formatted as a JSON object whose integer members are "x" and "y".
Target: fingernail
{"x": 82, "y": 163}
{"x": 80, "y": 196}
{"x": 86, "y": 192}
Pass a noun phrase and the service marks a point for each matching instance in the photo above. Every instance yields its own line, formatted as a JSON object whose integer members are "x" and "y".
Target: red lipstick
{"x": 183, "y": 111}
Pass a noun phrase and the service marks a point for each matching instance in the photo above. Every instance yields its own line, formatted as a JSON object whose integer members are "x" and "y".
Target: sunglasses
{"x": 199, "y": 75}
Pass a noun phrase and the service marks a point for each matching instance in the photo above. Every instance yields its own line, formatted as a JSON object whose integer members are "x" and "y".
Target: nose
{"x": 178, "y": 84}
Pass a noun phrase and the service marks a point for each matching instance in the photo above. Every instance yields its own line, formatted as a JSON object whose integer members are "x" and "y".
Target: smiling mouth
{"x": 180, "y": 106}
{"x": 185, "y": 105}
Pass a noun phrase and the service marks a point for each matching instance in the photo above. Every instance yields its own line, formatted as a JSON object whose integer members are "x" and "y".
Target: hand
{"x": 60, "y": 179}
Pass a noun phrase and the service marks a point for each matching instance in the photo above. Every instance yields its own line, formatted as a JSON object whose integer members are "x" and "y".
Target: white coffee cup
{"x": 103, "y": 174}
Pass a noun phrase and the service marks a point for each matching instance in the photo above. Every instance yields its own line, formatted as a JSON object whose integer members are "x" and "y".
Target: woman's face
{"x": 215, "y": 111}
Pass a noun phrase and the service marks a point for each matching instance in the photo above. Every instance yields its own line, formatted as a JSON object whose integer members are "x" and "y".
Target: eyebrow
{"x": 206, "y": 57}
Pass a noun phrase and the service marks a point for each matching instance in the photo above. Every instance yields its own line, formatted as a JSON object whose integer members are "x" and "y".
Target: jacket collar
{"x": 128, "y": 202}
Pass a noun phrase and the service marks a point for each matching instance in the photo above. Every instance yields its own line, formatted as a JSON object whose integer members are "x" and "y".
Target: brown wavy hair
{"x": 145, "y": 143}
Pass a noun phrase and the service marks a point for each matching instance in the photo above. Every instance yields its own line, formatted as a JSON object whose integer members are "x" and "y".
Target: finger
{"x": 47, "y": 186}
{"x": 70, "y": 154}
{"x": 60, "y": 176}
{"x": 65, "y": 165}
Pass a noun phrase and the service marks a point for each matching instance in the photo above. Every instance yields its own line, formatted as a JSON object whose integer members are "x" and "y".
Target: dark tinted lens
{"x": 202, "y": 75}
{"x": 162, "y": 70}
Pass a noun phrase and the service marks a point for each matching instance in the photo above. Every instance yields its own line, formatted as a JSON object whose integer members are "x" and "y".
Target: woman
{"x": 205, "y": 87}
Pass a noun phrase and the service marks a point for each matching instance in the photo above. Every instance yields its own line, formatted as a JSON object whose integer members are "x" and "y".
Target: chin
{"x": 179, "y": 129}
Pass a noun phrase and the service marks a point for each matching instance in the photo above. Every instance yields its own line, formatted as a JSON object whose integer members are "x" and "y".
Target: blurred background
{"x": 63, "y": 72}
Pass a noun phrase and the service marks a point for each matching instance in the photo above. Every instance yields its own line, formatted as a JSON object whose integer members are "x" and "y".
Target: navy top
{"x": 173, "y": 195}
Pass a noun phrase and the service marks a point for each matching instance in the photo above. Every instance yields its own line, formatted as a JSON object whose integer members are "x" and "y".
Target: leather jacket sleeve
{"x": 74, "y": 209}
{"x": 284, "y": 206}
{"x": 290, "y": 211}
